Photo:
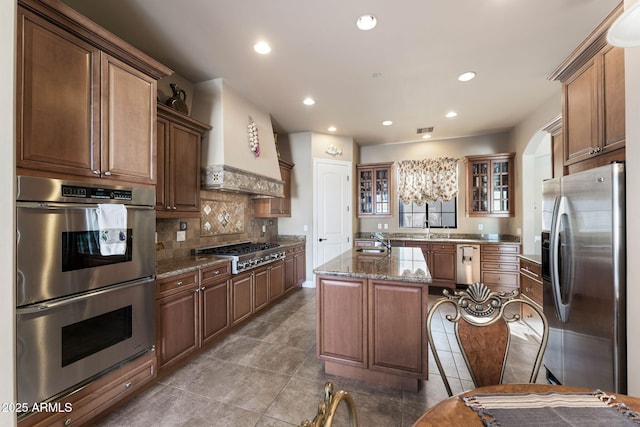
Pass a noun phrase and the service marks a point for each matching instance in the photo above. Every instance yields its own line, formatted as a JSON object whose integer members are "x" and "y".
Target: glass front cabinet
{"x": 374, "y": 189}
{"x": 490, "y": 186}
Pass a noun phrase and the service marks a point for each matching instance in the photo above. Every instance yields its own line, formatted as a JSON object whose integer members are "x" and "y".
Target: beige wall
{"x": 455, "y": 147}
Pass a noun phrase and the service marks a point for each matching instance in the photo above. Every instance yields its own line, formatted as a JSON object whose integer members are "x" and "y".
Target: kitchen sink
{"x": 370, "y": 250}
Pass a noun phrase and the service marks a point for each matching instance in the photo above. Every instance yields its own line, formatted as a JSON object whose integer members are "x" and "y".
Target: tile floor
{"x": 266, "y": 374}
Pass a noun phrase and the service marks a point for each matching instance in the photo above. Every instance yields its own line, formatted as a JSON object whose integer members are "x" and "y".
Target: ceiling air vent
{"x": 425, "y": 130}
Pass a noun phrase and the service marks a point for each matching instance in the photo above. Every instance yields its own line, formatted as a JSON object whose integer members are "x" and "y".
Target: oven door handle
{"x": 50, "y": 205}
{"x": 42, "y": 307}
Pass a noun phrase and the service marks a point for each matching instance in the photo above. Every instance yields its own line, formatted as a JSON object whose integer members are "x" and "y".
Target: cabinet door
{"x": 442, "y": 264}
{"x": 215, "y": 308}
{"x": 389, "y": 350}
{"x": 260, "y": 288}
{"x": 479, "y": 186}
{"x": 289, "y": 271}
{"x": 177, "y": 325}
{"x": 276, "y": 280}
{"x": 163, "y": 150}
{"x": 58, "y": 99}
{"x": 342, "y": 314}
{"x": 128, "y": 123}
{"x": 613, "y": 98}
{"x": 241, "y": 297}
{"x": 301, "y": 266}
{"x": 184, "y": 184}
{"x": 580, "y": 113}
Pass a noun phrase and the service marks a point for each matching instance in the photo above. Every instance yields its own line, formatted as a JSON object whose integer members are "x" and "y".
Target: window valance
{"x": 427, "y": 180}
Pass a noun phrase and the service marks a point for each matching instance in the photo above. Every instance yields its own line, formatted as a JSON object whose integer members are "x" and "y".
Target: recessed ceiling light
{"x": 376, "y": 75}
{"x": 387, "y": 123}
{"x": 262, "y": 48}
{"x": 427, "y": 136}
{"x": 332, "y": 129}
{"x": 309, "y": 101}
{"x": 465, "y": 77}
{"x": 451, "y": 114}
{"x": 366, "y": 22}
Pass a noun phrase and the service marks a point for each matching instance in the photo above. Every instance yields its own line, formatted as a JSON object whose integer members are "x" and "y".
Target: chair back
{"x": 328, "y": 407}
{"x": 482, "y": 325}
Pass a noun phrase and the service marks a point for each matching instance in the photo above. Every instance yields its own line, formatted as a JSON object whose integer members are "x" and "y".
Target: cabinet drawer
{"x": 531, "y": 269}
{"x": 177, "y": 283}
{"x": 364, "y": 243}
{"x": 501, "y": 249}
{"x": 500, "y": 266}
{"x": 502, "y": 279}
{"x": 531, "y": 289}
{"x": 214, "y": 273}
{"x": 531, "y": 318}
{"x": 443, "y": 247}
{"x": 500, "y": 258}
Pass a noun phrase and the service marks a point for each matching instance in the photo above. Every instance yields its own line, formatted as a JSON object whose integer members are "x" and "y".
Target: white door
{"x": 332, "y": 209}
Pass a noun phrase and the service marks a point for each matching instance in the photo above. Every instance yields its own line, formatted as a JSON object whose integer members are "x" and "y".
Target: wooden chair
{"x": 483, "y": 331}
{"x": 328, "y": 407}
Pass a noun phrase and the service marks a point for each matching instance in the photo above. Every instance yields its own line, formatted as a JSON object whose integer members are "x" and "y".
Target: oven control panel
{"x": 80, "y": 192}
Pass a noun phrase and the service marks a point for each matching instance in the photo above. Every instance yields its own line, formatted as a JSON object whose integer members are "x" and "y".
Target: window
{"x": 441, "y": 214}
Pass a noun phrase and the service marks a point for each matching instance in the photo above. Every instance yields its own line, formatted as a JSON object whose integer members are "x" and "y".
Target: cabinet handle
{"x": 107, "y": 173}
{"x": 68, "y": 421}
{"x": 179, "y": 283}
{"x": 173, "y": 208}
{"x": 216, "y": 272}
{"x": 168, "y": 208}
{"x": 95, "y": 172}
{"x": 127, "y": 385}
{"x": 598, "y": 149}
{"x": 203, "y": 288}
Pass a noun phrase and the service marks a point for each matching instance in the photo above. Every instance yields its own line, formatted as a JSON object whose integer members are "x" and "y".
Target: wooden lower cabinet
{"x": 531, "y": 289}
{"x": 253, "y": 290}
{"x": 294, "y": 267}
{"x": 276, "y": 280}
{"x": 372, "y": 330}
{"x": 241, "y": 296}
{"x": 95, "y": 398}
{"x": 499, "y": 266}
{"x": 441, "y": 261}
{"x": 187, "y": 312}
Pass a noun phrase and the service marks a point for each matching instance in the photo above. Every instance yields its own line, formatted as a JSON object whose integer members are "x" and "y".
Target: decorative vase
{"x": 178, "y": 100}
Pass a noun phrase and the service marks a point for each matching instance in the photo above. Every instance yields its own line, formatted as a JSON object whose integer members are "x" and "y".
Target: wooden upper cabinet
{"x": 128, "y": 123}
{"x": 490, "y": 185}
{"x": 593, "y": 102}
{"x": 85, "y": 99}
{"x": 374, "y": 189}
{"x": 277, "y": 206}
{"x": 179, "y": 148}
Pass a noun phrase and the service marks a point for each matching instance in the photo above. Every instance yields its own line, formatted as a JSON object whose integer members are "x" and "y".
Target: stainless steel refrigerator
{"x": 584, "y": 275}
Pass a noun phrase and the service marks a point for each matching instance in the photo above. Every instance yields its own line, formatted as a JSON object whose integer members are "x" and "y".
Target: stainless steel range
{"x": 246, "y": 255}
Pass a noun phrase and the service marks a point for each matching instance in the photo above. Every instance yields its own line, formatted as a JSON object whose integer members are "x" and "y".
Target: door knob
{"x": 320, "y": 240}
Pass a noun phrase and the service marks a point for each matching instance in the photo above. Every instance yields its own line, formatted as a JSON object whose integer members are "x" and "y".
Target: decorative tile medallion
{"x": 221, "y": 217}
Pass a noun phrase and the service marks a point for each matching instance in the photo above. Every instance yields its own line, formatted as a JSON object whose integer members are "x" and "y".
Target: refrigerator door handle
{"x": 559, "y": 289}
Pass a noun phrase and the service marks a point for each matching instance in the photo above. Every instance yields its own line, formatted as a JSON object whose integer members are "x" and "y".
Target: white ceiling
{"x": 419, "y": 47}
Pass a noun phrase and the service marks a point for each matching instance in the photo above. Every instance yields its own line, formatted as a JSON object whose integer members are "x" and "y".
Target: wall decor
{"x": 221, "y": 217}
{"x": 254, "y": 141}
{"x": 333, "y": 150}
{"x": 178, "y": 100}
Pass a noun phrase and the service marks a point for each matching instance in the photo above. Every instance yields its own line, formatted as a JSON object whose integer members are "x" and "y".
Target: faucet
{"x": 448, "y": 231}
{"x": 379, "y": 238}
{"x": 428, "y": 227}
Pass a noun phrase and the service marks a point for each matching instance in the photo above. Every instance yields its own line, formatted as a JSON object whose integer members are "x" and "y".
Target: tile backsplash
{"x": 250, "y": 228}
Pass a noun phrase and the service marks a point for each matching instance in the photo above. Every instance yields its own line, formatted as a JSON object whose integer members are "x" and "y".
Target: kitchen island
{"x": 371, "y": 311}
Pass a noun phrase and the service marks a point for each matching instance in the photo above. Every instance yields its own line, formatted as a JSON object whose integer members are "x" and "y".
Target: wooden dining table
{"x": 454, "y": 412}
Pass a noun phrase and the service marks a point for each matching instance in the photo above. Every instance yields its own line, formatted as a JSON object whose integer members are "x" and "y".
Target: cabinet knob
{"x": 95, "y": 172}
{"x": 168, "y": 208}
{"x": 107, "y": 173}
{"x": 592, "y": 151}
{"x": 68, "y": 421}
{"x": 173, "y": 208}
{"x": 598, "y": 149}
{"x": 179, "y": 283}
{"x": 216, "y": 272}
{"x": 127, "y": 385}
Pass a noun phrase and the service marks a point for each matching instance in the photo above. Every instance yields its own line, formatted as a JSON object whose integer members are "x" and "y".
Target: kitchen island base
{"x": 371, "y": 316}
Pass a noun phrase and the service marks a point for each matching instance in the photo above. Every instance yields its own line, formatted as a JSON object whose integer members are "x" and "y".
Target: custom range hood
{"x": 239, "y": 154}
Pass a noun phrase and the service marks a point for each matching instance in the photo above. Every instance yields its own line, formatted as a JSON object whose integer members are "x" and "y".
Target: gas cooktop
{"x": 245, "y": 255}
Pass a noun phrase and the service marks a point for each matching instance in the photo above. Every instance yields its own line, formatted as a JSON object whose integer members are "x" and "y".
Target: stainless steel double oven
{"x": 80, "y": 313}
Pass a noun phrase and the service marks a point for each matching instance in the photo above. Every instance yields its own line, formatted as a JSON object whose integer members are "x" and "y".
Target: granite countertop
{"x": 175, "y": 266}
{"x": 404, "y": 264}
{"x": 443, "y": 237}
{"x": 533, "y": 258}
